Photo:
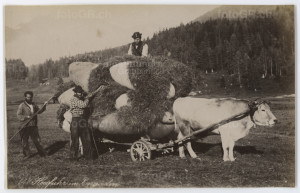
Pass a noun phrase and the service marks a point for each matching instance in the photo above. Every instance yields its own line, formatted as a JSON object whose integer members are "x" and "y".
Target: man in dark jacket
{"x": 25, "y": 112}
{"x": 138, "y": 48}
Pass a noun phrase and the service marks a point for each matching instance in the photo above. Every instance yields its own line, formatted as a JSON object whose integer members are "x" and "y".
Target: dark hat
{"x": 28, "y": 92}
{"x": 136, "y": 35}
{"x": 78, "y": 89}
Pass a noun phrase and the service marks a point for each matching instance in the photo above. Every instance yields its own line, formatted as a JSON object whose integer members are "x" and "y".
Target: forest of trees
{"x": 247, "y": 48}
{"x": 59, "y": 68}
{"x": 15, "y": 69}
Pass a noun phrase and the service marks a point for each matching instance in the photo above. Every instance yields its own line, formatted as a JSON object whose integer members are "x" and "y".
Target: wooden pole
{"x": 216, "y": 125}
{"x": 209, "y": 128}
{"x": 28, "y": 120}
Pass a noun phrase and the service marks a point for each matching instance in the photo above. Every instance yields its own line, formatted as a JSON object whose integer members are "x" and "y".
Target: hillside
{"x": 236, "y": 11}
{"x": 15, "y": 91}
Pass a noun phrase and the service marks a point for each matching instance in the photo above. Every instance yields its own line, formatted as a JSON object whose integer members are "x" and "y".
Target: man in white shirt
{"x": 138, "y": 47}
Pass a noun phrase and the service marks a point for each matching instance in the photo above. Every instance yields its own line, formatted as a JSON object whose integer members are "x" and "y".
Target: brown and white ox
{"x": 193, "y": 114}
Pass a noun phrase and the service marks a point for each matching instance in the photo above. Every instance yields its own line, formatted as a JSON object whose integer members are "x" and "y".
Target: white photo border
{"x": 132, "y": 190}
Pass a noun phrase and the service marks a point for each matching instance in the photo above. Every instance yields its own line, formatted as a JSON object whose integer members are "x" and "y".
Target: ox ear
{"x": 263, "y": 102}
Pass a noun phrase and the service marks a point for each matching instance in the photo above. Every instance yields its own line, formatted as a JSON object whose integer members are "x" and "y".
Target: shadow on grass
{"x": 247, "y": 150}
{"x": 55, "y": 147}
{"x": 198, "y": 147}
{"x": 52, "y": 149}
{"x": 205, "y": 147}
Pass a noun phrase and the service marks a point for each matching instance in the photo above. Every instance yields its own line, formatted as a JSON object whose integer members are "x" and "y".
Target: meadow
{"x": 265, "y": 158}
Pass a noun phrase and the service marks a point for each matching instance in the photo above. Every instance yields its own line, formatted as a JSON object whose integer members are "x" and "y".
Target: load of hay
{"x": 138, "y": 91}
{"x": 79, "y": 73}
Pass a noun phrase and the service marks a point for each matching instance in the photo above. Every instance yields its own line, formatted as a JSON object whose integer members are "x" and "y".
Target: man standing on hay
{"x": 79, "y": 125}
{"x": 138, "y": 47}
{"x": 24, "y": 113}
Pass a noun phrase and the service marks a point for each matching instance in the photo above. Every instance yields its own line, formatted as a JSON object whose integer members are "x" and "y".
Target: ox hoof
{"x": 226, "y": 159}
{"x": 182, "y": 157}
{"x": 197, "y": 158}
{"x": 232, "y": 159}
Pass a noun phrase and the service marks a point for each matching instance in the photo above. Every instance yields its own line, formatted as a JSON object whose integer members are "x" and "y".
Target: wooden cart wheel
{"x": 140, "y": 151}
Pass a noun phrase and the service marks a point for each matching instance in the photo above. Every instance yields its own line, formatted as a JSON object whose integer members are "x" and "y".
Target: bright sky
{"x": 36, "y": 33}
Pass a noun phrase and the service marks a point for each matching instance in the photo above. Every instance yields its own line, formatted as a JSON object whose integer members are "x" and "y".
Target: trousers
{"x": 79, "y": 128}
{"x": 32, "y": 132}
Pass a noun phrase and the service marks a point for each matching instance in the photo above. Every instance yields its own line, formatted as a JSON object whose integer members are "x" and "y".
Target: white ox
{"x": 193, "y": 114}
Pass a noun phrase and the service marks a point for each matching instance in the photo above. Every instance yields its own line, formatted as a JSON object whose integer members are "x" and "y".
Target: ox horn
{"x": 256, "y": 101}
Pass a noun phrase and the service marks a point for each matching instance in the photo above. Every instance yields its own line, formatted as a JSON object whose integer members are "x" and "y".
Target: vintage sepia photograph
{"x": 149, "y": 96}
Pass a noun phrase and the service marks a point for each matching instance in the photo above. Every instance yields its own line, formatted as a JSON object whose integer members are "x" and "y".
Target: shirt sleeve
{"x": 79, "y": 103}
{"x": 20, "y": 114}
{"x": 130, "y": 50}
{"x": 145, "y": 51}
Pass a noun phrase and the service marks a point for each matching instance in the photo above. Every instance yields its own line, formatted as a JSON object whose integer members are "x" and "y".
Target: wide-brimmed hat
{"x": 78, "y": 89}
{"x": 136, "y": 35}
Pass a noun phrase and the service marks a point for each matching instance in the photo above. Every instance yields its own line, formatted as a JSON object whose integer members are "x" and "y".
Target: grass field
{"x": 265, "y": 158}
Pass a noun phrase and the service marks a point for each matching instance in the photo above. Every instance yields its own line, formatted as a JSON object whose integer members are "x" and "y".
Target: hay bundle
{"x": 79, "y": 73}
{"x": 122, "y": 101}
{"x": 178, "y": 73}
{"x": 138, "y": 92}
{"x": 66, "y": 126}
{"x": 112, "y": 125}
{"x": 65, "y": 98}
{"x": 63, "y": 87}
{"x": 171, "y": 93}
{"x": 152, "y": 86}
{"x": 105, "y": 102}
{"x": 120, "y": 74}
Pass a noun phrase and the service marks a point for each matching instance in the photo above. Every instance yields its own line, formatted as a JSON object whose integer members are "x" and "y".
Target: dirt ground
{"x": 265, "y": 158}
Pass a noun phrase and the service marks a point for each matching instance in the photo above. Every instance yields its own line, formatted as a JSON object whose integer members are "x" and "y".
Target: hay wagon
{"x": 137, "y": 93}
{"x": 143, "y": 148}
